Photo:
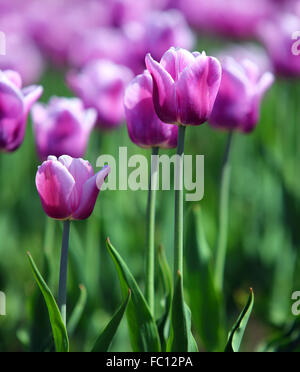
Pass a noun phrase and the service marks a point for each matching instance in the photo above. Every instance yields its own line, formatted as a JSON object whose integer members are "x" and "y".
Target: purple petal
{"x": 176, "y": 60}
{"x": 197, "y": 90}
{"x": 164, "y": 94}
{"x": 89, "y": 195}
{"x": 144, "y": 127}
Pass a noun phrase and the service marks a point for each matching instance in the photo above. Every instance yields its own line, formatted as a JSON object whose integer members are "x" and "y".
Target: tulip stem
{"x": 178, "y": 241}
{"x": 150, "y": 256}
{"x": 223, "y": 215}
{"x": 62, "y": 293}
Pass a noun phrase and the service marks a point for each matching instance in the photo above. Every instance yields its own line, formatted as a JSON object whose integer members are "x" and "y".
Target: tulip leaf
{"x": 59, "y": 330}
{"x": 142, "y": 327}
{"x": 167, "y": 283}
{"x": 205, "y": 300}
{"x": 181, "y": 338}
{"x": 78, "y": 311}
{"x": 237, "y": 333}
{"x": 105, "y": 339}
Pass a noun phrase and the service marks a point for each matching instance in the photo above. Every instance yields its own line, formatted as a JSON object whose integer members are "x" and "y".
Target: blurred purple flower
{"x": 101, "y": 85}
{"x": 22, "y": 56}
{"x": 238, "y": 103}
{"x": 98, "y": 43}
{"x": 55, "y": 24}
{"x": 155, "y": 34}
{"x": 15, "y": 104}
{"x": 62, "y": 127}
{"x": 185, "y": 86}
{"x": 144, "y": 127}
{"x": 68, "y": 188}
{"x": 233, "y": 18}
{"x": 280, "y": 38}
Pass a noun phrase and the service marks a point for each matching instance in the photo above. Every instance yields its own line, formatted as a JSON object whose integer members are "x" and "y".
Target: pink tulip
{"x": 185, "y": 86}
{"x": 101, "y": 85}
{"x": 15, "y": 104}
{"x": 144, "y": 127}
{"x": 281, "y": 39}
{"x": 238, "y": 102}
{"x": 62, "y": 127}
{"x": 68, "y": 187}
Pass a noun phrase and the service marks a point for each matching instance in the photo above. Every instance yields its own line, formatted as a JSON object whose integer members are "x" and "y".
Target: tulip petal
{"x": 144, "y": 127}
{"x": 89, "y": 195}
{"x": 164, "y": 94}
{"x": 14, "y": 77}
{"x": 197, "y": 90}
{"x": 31, "y": 95}
{"x": 176, "y": 60}
{"x": 55, "y": 186}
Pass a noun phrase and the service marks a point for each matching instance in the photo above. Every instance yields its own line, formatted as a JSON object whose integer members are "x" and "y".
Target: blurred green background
{"x": 264, "y": 235}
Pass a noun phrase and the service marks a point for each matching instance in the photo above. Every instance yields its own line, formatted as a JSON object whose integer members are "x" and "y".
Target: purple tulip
{"x": 68, "y": 187}
{"x": 238, "y": 102}
{"x": 15, "y": 104}
{"x": 185, "y": 86}
{"x": 281, "y": 38}
{"x": 62, "y": 127}
{"x": 101, "y": 85}
{"x": 234, "y": 18}
{"x": 144, "y": 127}
{"x": 155, "y": 34}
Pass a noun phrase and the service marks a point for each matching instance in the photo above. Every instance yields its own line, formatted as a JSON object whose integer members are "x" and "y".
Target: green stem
{"x": 62, "y": 293}
{"x": 223, "y": 215}
{"x": 150, "y": 256}
{"x": 178, "y": 241}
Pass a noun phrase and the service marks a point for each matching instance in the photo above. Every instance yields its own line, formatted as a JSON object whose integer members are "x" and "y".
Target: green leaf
{"x": 105, "y": 339}
{"x": 142, "y": 327}
{"x": 181, "y": 338}
{"x": 166, "y": 280}
{"x": 204, "y": 299}
{"x": 78, "y": 311}
{"x": 59, "y": 330}
{"x": 237, "y": 333}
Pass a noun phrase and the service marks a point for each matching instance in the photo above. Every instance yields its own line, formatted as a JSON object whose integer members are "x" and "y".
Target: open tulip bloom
{"x": 68, "y": 189}
{"x": 15, "y": 104}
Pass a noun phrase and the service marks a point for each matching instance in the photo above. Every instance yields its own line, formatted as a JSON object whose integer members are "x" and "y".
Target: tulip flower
{"x": 185, "y": 86}
{"x": 281, "y": 39}
{"x": 68, "y": 187}
{"x": 15, "y": 104}
{"x": 147, "y": 130}
{"x": 236, "y": 109}
{"x": 101, "y": 85}
{"x": 156, "y": 33}
{"x": 62, "y": 127}
{"x": 238, "y": 102}
{"x": 233, "y": 18}
{"x": 144, "y": 127}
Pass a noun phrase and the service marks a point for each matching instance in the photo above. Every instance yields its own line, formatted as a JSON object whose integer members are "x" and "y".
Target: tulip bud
{"x": 62, "y": 127}
{"x": 185, "y": 86}
{"x": 101, "y": 85}
{"x": 144, "y": 127}
{"x": 15, "y": 104}
{"x": 68, "y": 187}
{"x": 238, "y": 102}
